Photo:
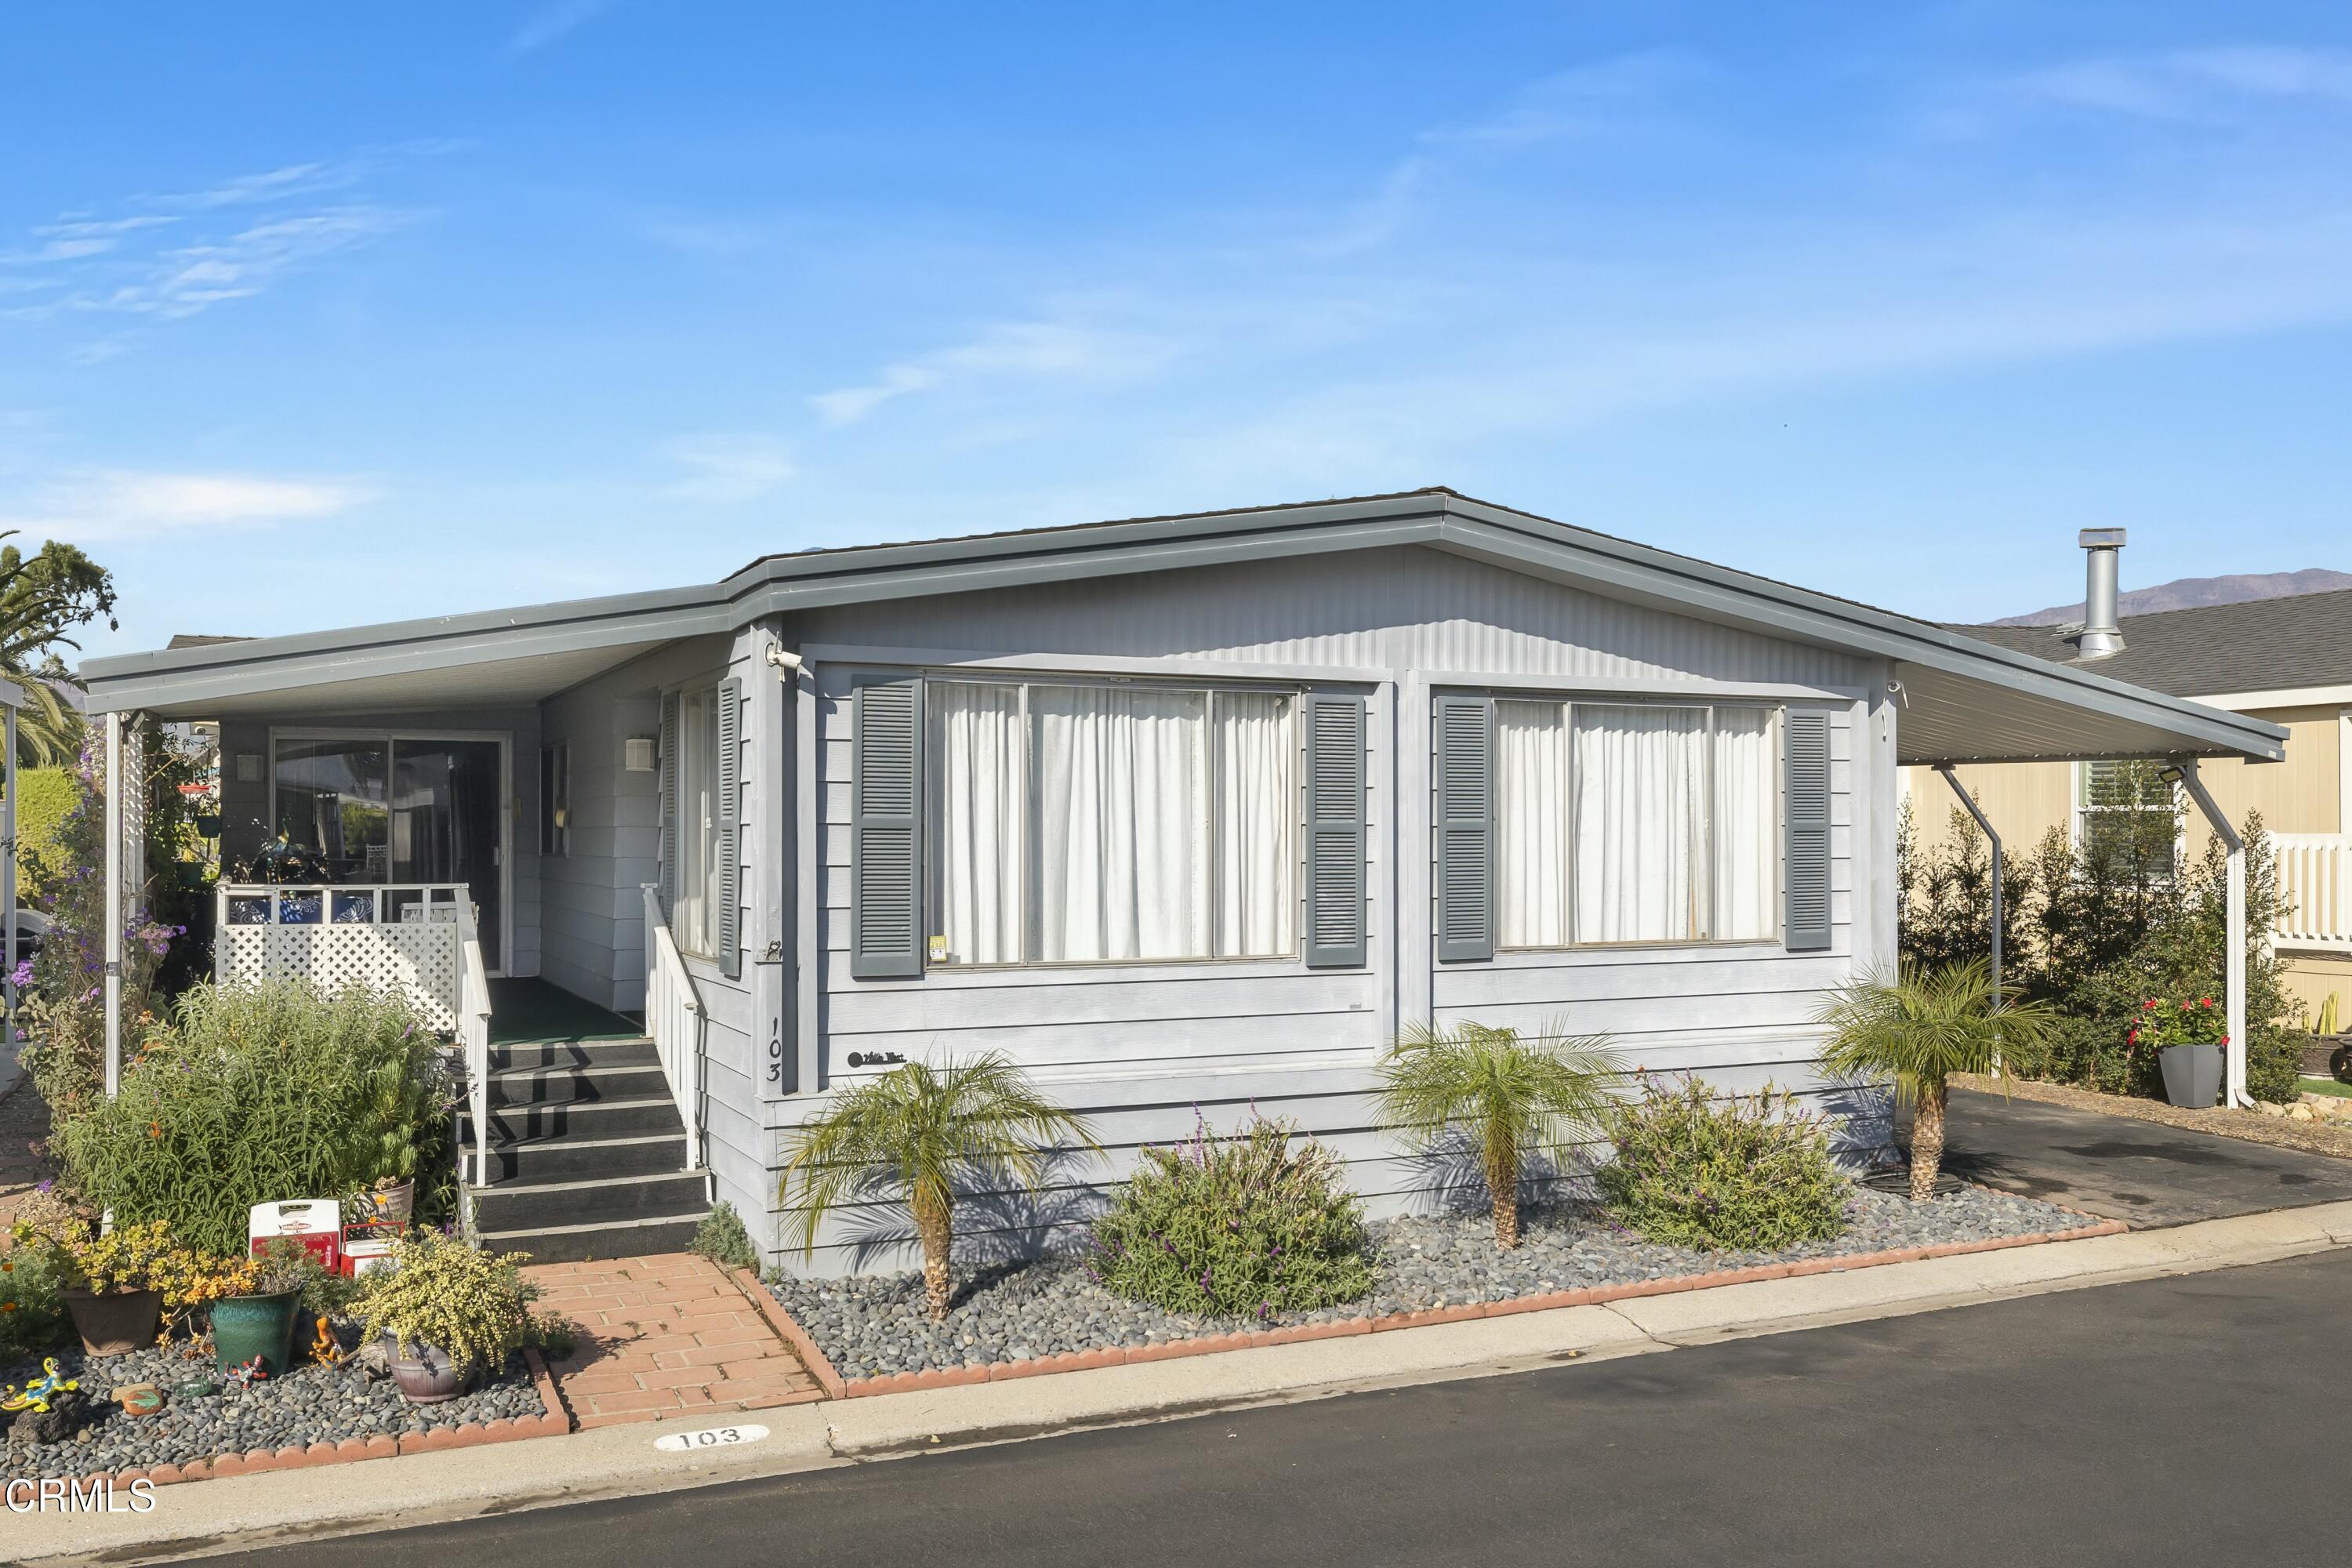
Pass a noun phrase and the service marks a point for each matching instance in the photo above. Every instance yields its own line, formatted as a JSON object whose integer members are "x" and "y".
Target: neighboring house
{"x": 1182, "y": 814}
{"x": 2288, "y": 660}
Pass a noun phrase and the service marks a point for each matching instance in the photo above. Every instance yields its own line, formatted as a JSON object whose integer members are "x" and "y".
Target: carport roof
{"x": 1964, "y": 700}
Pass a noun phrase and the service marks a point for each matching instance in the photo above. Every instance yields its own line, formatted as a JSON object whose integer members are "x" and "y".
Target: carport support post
{"x": 113, "y": 903}
{"x": 1992, "y": 837}
{"x": 2235, "y": 1091}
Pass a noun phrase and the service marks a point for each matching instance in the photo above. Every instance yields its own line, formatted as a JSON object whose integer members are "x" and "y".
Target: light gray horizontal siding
{"x": 1406, "y": 608}
{"x": 1137, "y": 1047}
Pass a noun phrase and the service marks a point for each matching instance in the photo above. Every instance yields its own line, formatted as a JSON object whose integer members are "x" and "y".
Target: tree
{"x": 918, "y": 1132}
{"x": 1513, "y": 1098}
{"x": 1922, "y": 1027}
{"x": 43, "y": 599}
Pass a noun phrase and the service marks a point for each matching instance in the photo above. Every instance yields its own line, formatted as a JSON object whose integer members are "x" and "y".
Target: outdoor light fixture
{"x": 248, "y": 767}
{"x": 638, "y": 753}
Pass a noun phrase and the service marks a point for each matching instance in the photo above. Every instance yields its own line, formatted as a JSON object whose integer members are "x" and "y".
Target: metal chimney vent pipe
{"x": 2102, "y": 553}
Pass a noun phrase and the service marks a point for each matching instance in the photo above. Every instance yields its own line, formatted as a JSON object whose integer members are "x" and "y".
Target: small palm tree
{"x": 1922, "y": 1027}
{"x": 918, "y": 1129}
{"x": 1513, "y": 1097}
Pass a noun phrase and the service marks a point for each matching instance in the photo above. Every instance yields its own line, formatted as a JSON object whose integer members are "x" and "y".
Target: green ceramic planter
{"x": 245, "y": 1327}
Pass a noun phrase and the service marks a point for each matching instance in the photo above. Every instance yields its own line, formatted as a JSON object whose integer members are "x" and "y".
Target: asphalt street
{"x": 2191, "y": 1421}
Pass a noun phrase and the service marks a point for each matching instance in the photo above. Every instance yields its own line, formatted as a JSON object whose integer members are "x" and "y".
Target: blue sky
{"x": 311, "y": 315}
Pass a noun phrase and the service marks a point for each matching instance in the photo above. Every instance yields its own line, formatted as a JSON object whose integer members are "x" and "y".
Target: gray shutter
{"x": 1335, "y": 832}
{"x": 730, "y": 827}
{"x": 1464, "y": 819}
{"x": 668, "y": 787}
{"x": 1807, "y": 804}
{"x": 886, "y": 830}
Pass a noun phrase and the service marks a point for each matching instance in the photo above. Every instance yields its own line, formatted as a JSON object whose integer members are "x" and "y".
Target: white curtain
{"x": 1258, "y": 803}
{"x": 1531, "y": 825}
{"x": 1122, "y": 823}
{"x": 1641, "y": 796}
{"x": 1747, "y": 825}
{"x": 976, "y": 764}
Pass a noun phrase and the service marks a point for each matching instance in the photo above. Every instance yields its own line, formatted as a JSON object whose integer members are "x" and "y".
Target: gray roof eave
{"x": 788, "y": 582}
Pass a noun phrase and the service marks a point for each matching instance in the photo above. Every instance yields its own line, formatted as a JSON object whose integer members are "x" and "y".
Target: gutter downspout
{"x": 1985, "y": 823}
{"x": 2234, "y": 1091}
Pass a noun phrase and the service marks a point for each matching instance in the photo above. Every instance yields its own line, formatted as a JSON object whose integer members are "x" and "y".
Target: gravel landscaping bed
{"x": 309, "y": 1405}
{"x": 873, "y": 1326}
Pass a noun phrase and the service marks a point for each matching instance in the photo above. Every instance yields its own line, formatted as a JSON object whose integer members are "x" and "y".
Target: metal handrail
{"x": 674, "y": 1021}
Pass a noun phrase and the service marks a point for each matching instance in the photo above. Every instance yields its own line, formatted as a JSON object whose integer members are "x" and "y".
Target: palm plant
{"x": 1922, "y": 1027}
{"x": 1513, "y": 1097}
{"x": 918, "y": 1129}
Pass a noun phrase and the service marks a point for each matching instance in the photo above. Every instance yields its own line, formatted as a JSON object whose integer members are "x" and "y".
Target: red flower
{"x": 2207, "y": 1003}
{"x": 2225, "y": 1039}
{"x": 2148, "y": 1006}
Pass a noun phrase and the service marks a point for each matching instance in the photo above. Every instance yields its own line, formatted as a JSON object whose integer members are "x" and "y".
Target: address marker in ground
{"x": 710, "y": 1437}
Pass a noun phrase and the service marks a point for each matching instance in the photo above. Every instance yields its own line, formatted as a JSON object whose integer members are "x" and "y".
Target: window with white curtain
{"x": 1092, "y": 823}
{"x": 1635, "y": 823}
{"x": 694, "y": 919}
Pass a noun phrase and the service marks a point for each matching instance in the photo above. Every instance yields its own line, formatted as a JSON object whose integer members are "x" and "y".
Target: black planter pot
{"x": 2193, "y": 1076}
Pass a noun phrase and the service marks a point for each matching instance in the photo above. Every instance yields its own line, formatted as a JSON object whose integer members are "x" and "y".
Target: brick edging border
{"x": 551, "y": 1422}
{"x": 789, "y": 1330}
{"x": 1212, "y": 1344}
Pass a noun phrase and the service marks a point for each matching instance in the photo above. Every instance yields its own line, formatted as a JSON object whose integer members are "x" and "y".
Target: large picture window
{"x": 1635, "y": 823}
{"x": 1088, "y": 823}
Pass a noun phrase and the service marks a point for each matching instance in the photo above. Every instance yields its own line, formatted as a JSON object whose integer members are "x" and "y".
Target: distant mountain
{"x": 2190, "y": 593}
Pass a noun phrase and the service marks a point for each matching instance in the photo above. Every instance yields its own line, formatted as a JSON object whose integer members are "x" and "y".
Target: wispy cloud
{"x": 727, "y": 467}
{"x": 2191, "y": 84}
{"x": 172, "y": 254}
{"x": 549, "y": 23}
{"x": 111, "y": 504}
{"x": 1032, "y": 350}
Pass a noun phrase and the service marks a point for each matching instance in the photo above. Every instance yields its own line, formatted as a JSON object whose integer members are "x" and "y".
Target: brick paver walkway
{"x": 665, "y": 1336}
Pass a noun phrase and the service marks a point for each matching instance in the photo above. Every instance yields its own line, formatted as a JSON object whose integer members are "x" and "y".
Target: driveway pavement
{"x": 2171, "y": 1420}
{"x": 2137, "y": 1171}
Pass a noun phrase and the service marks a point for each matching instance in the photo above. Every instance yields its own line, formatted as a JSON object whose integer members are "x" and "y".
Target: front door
{"x": 401, "y": 808}
{"x": 446, "y": 824}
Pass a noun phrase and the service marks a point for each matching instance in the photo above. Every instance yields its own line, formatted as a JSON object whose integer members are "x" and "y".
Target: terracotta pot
{"x": 116, "y": 1323}
{"x": 427, "y": 1377}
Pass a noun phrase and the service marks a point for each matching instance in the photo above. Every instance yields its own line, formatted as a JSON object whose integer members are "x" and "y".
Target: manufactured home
{"x": 1186, "y": 814}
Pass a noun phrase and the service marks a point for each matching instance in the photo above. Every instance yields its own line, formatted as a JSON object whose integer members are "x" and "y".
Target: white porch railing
{"x": 2315, "y": 891}
{"x": 674, "y": 1020}
{"x": 474, "y": 1039}
{"x": 407, "y": 937}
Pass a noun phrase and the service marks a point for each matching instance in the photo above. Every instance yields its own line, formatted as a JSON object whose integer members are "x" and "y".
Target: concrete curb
{"x": 836, "y": 1388}
{"x": 244, "y": 1510}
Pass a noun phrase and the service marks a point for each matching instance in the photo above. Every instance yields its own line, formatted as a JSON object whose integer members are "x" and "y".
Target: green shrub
{"x": 252, "y": 1095}
{"x": 441, "y": 1293}
{"x": 1239, "y": 1226}
{"x": 1749, "y": 1173}
{"x": 32, "y": 1317}
{"x": 48, "y": 796}
{"x": 721, "y": 1238}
